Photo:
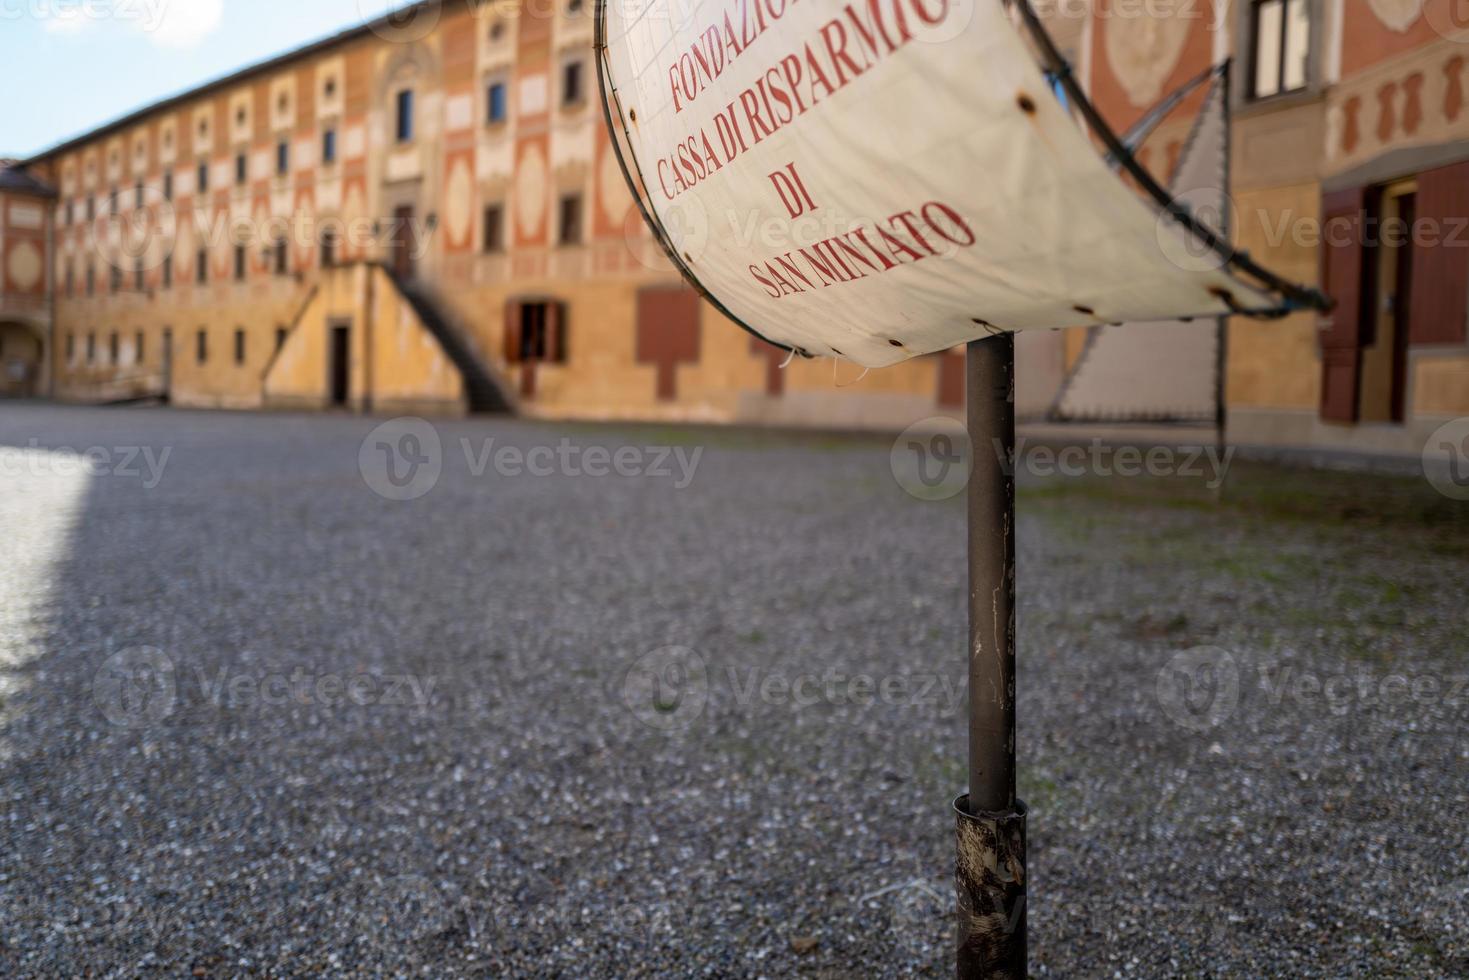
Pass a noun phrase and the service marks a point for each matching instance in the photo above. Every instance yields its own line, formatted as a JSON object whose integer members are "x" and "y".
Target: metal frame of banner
{"x": 1217, "y": 414}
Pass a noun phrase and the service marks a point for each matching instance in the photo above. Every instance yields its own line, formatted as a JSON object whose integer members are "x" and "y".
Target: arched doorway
{"x": 22, "y": 356}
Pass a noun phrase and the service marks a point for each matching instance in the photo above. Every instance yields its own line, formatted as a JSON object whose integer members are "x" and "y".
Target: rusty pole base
{"x": 990, "y": 880}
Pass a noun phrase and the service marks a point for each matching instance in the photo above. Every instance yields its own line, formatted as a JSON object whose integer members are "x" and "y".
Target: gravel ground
{"x": 257, "y": 719}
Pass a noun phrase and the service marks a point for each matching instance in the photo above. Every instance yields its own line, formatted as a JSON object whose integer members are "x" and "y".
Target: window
{"x": 329, "y": 146}
{"x": 167, "y": 272}
{"x": 279, "y": 256}
{"x": 201, "y": 266}
{"x": 1280, "y": 42}
{"x": 330, "y": 88}
{"x": 239, "y": 263}
{"x": 138, "y": 281}
{"x": 91, "y": 209}
{"x": 495, "y": 103}
{"x": 242, "y": 168}
{"x": 494, "y": 228}
{"x": 71, "y": 347}
{"x": 70, "y": 212}
{"x": 138, "y": 348}
{"x": 573, "y": 6}
{"x": 114, "y": 278}
{"x": 138, "y": 194}
{"x": 570, "y": 233}
{"x": 168, "y": 186}
{"x": 405, "y": 116}
{"x": 203, "y": 177}
{"x": 112, "y": 347}
{"x": 542, "y": 334}
{"x": 571, "y": 93}
{"x": 280, "y": 337}
{"x": 91, "y": 348}
{"x": 112, "y": 202}
{"x": 201, "y": 346}
{"x": 328, "y": 248}
{"x": 239, "y": 346}
{"x": 283, "y": 158}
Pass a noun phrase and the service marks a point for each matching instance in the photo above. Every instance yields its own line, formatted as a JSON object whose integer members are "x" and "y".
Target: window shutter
{"x": 1438, "y": 304}
{"x": 1343, "y": 277}
{"x": 512, "y": 331}
{"x": 554, "y": 326}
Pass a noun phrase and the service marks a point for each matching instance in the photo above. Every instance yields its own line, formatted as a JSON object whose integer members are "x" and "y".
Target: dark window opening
{"x": 242, "y": 168}
{"x": 239, "y": 346}
{"x": 279, "y": 253}
{"x": 112, "y": 346}
{"x": 329, "y": 146}
{"x": 493, "y": 230}
{"x": 283, "y": 158}
{"x": 328, "y": 248}
{"x": 280, "y": 337}
{"x": 405, "y": 116}
{"x": 495, "y": 102}
{"x": 201, "y": 267}
{"x": 167, "y": 272}
{"x": 138, "y": 348}
{"x": 168, "y": 186}
{"x": 570, "y": 227}
{"x": 203, "y": 177}
{"x": 239, "y": 263}
{"x": 91, "y": 348}
{"x": 541, "y": 334}
{"x": 571, "y": 93}
{"x": 201, "y": 348}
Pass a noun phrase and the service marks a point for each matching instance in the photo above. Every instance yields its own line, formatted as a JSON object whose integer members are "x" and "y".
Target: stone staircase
{"x": 485, "y": 393}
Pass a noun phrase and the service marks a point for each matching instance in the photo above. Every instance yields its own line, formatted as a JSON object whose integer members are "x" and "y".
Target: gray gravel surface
{"x": 257, "y": 719}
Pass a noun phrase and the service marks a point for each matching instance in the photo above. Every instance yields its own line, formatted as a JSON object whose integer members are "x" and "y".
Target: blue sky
{"x": 91, "y": 61}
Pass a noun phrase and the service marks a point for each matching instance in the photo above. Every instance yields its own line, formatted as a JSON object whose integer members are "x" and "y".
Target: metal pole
{"x": 991, "y": 409}
{"x": 990, "y": 867}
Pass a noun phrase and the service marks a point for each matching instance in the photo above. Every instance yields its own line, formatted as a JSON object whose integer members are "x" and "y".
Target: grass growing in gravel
{"x": 1347, "y": 558}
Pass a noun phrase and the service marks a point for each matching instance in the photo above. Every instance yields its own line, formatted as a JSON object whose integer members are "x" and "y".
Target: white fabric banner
{"x": 1164, "y": 370}
{"x": 886, "y": 179}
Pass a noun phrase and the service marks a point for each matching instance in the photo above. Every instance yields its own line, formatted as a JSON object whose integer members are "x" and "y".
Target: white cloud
{"x": 180, "y": 23}
{"x": 167, "y": 23}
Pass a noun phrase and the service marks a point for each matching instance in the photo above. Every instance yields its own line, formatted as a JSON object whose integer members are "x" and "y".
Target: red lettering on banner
{"x": 828, "y": 260}
{"x": 792, "y": 191}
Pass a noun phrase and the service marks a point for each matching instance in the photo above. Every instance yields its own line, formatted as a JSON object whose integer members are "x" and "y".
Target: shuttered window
{"x": 1439, "y": 298}
{"x": 1344, "y": 256}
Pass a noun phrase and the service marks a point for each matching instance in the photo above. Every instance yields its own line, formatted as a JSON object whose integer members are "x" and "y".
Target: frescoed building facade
{"x": 420, "y": 214}
{"x": 425, "y": 214}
